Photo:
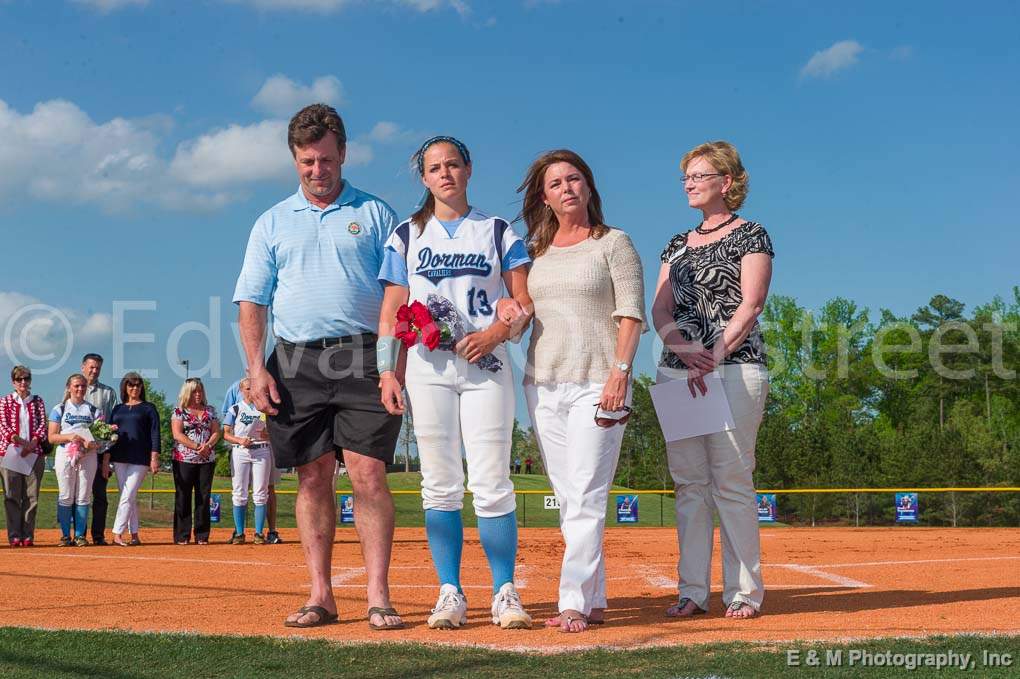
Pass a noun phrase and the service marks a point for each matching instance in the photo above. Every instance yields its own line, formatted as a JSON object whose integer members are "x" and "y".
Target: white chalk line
{"x": 824, "y": 575}
{"x": 175, "y": 559}
{"x": 656, "y": 579}
{"x": 905, "y": 562}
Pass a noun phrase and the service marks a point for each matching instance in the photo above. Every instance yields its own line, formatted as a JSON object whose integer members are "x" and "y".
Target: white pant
{"x": 580, "y": 459}
{"x": 129, "y": 480}
{"x": 714, "y": 472}
{"x": 250, "y": 465}
{"x": 74, "y": 484}
{"x": 453, "y": 400}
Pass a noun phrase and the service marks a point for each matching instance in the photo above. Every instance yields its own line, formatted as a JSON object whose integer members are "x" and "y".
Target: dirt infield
{"x": 822, "y": 583}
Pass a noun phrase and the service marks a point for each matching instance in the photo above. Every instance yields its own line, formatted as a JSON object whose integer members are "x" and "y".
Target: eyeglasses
{"x": 133, "y": 385}
{"x": 699, "y": 177}
{"x": 604, "y": 421}
{"x": 22, "y": 379}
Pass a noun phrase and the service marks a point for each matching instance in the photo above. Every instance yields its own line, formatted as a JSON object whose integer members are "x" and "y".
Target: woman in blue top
{"x": 136, "y": 452}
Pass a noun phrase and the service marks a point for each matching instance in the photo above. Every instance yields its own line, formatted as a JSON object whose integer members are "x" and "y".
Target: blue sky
{"x": 140, "y": 140}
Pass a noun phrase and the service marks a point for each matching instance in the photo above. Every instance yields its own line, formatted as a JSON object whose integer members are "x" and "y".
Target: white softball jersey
{"x": 465, "y": 267}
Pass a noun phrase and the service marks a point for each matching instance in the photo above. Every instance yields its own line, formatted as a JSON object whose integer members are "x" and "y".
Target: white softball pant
{"x": 453, "y": 401}
{"x": 250, "y": 465}
{"x": 129, "y": 480}
{"x": 74, "y": 484}
{"x": 714, "y": 472}
{"x": 580, "y": 459}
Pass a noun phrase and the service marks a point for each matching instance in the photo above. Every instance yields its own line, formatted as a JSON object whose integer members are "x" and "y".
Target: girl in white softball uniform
{"x": 456, "y": 259}
{"x": 74, "y": 473}
{"x": 251, "y": 460}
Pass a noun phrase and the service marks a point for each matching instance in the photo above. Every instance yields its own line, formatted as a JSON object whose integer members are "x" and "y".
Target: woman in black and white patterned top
{"x": 712, "y": 286}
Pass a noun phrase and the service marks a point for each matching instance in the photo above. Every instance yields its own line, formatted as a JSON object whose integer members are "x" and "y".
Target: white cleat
{"x": 450, "y": 611}
{"x": 507, "y": 611}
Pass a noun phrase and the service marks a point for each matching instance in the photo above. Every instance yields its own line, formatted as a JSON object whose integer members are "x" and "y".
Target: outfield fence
{"x": 940, "y": 506}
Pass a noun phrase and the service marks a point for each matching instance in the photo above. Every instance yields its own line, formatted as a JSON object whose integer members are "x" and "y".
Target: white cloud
{"x": 106, "y": 6}
{"x": 386, "y": 132}
{"x": 280, "y": 96}
{"x": 238, "y": 154}
{"x": 57, "y": 153}
{"x": 42, "y": 336}
{"x": 839, "y": 56}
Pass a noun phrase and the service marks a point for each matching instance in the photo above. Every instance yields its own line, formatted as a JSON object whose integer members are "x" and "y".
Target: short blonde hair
{"x": 188, "y": 389}
{"x": 723, "y": 156}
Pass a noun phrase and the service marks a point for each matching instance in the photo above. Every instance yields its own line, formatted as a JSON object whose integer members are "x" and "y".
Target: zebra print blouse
{"x": 706, "y": 290}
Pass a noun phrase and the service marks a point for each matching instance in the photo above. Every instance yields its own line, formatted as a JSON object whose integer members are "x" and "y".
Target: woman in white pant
{"x": 586, "y": 283}
{"x": 251, "y": 461}
{"x": 135, "y": 453}
{"x": 455, "y": 260}
{"x": 75, "y": 461}
{"x": 712, "y": 286}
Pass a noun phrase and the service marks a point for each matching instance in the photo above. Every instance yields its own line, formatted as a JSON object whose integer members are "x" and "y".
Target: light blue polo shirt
{"x": 317, "y": 268}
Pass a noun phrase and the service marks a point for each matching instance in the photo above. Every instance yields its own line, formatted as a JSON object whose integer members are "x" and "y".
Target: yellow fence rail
{"x": 777, "y": 491}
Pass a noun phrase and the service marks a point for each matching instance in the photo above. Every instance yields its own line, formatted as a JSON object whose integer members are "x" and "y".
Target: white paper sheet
{"x": 13, "y": 460}
{"x": 682, "y": 416}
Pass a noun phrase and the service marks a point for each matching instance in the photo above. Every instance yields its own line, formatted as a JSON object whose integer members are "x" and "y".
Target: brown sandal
{"x": 324, "y": 617}
{"x": 383, "y": 612}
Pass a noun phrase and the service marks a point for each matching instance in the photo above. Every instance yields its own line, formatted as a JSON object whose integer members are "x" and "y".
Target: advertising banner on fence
{"x": 906, "y": 507}
{"x": 346, "y": 509}
{"x": 626, "y": 508}
{"x": 214, "y": 508}
{"x": 766, "y": 507}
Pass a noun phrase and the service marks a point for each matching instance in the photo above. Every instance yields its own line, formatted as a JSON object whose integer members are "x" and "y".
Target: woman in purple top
{"x": 135, "y": 453}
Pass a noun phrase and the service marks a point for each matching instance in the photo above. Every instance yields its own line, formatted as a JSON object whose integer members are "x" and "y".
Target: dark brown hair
{"x": 539, "y": 217}
{"x": 423, "y": 214}
{"x": 312, "y": 123}
{"x": 131, "y": 378}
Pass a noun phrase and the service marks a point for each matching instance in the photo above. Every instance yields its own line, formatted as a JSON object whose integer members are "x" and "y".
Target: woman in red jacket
{"x": 22, "y": 433}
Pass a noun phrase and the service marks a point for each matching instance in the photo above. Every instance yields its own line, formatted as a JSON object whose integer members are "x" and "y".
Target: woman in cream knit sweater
{"x": 588, "y": 292}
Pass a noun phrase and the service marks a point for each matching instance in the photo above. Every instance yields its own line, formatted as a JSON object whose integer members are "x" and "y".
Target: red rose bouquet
{"x": 414, "y": 320}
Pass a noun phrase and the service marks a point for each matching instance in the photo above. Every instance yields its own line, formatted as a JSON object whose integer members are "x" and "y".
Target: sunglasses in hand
{"x": 607, "y": 418}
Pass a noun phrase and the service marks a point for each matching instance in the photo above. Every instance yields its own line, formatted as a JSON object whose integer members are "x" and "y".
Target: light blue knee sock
{"x": 445, "y": 531}
{"x": 64, "y": 519}
{"x": 81, "y": 519}
{"x": 499, "y": 540}
{"x": 260, "y": 518}
{"x": 239, "y": 517}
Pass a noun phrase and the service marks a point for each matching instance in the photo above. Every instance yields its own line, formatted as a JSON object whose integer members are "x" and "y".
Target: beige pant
{"x": 714, "y": 472}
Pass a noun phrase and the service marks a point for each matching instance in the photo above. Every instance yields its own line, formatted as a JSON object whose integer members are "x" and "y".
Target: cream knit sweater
{"x": 580, "y": 293}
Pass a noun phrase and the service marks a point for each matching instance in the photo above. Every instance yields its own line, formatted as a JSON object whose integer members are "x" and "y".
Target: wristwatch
{"x": 623, "y": 366}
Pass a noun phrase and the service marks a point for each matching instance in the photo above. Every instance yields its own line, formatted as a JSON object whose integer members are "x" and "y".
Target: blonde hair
{"x": 538, "y": 217}
{"x": 73, "y": 377}
{"x": 188, "y": 390}
{"x": 723, "y": 156}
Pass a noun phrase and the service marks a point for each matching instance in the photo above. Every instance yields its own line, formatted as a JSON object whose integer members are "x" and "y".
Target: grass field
{"x": 655, "y": 510}
{"x": 26, "y": 653}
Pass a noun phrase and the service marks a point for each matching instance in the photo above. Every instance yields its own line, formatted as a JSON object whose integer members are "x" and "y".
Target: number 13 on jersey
{"x": 482, "y": 299}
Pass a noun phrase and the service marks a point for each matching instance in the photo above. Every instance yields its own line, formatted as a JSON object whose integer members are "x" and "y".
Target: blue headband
{"x": 419, "y": 156}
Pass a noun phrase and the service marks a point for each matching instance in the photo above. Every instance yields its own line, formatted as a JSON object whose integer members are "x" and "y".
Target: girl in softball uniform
{"x": 251, "y": 461}
{"x": 75, "y": 472}
{"x": 456, "y": 259}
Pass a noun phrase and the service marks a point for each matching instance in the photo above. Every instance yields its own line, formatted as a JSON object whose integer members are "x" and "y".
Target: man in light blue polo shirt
{"x": 314, "y": 258}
